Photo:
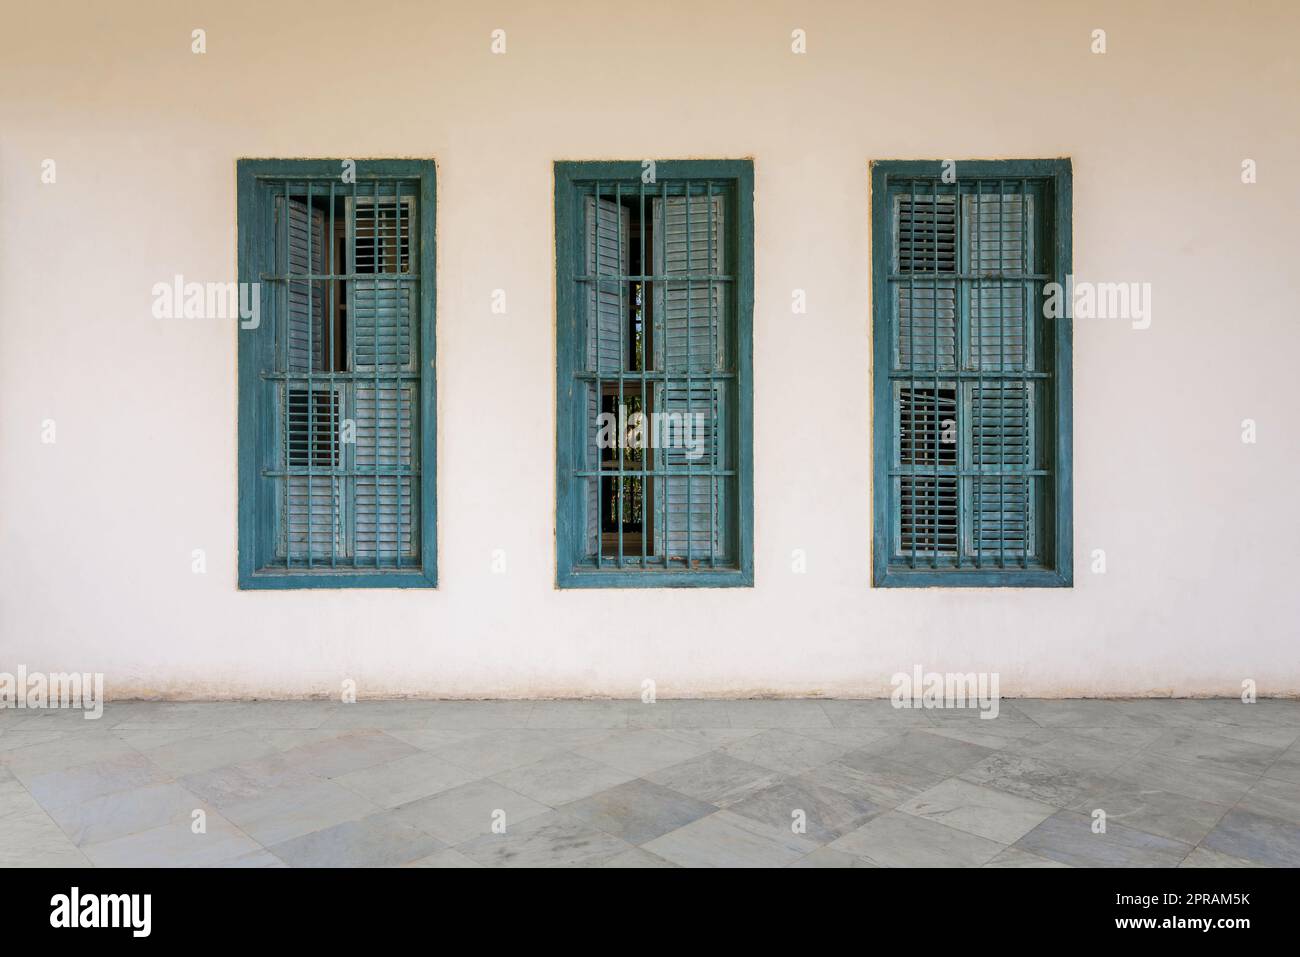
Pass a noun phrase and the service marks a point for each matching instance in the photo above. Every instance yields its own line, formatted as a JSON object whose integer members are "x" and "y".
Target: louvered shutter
{"x": 925, "y": 343}
{"x": 927, "y": 442}
{"x": 690, "y": 337}
{"x": 311, "y": 508}
{"x": 998, "y": 246}
{"x": 997, "y": 233}
{"x": 383, "y": 312}
{"x": 607, "y": 254}
{"x": 925, "y": 245}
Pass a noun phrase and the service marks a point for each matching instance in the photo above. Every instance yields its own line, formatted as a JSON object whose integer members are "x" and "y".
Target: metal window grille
{"x": 346, "y": 374}
{"x": 656, "y": 292}
{"x": 970, "y": 470}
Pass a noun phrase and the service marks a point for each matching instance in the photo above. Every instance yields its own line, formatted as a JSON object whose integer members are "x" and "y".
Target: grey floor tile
{"x": 680, "y": 713}
{"x": 579, "y": 714}
{"x": 405, "y": 780}
{"x": 380, "y": 715}
{"x": 479, "y": 715}
{"x": 1073, "y": 712}
{"x": 1273, "y": 798}
{"x": 434, "y": 739}
{"x": 1196, "y": 744}
{"x": 895, "y": 839}
{"x": 73, "y": 785}
{"x": 986, "y": 812}
{"x": 637, "y": 857}
{"x": 469, "y": 811}
{"x": 552, "y": 839}
{"x": 1068, "y": 837}
{"x": 39, "y": 752}
{"x": 492, "y": 752}
{"x": 380, "y": 840}
{"x": 730, "y": 840}
{"x": 280, "y": 815}
{"x": 873, "y": 713}
{"x": 878, "y": 779}
{"x": 121, "y": 813}
{"x": 641, "y": 751}
{"x": 825, "y": 857}
{"x": 209, "y": 751}
{"x": 756, "y": 713}
{"x": 350, "y": 751}
{"x": 715, "y": 777}
{"x": 1203, "y": 857}
{"x": 1079, "y": 751}
{"x": 1196, "y": 779}
{"x": 934, "y": 752}
{"x": 250, "y": 780}
{"x": 174, "y": 845}
{"x": 446, "y": 858}
{"x": 252, "y": 860}
{"x": 31, "y": 839}
{"x": 786, "y": 751}
{"x": 822, "y": 812}
{"x": 14, "y": 799}
{"x": 1014, "y": 857}
{"x": 1286, "y": 767}
{"x": 638, "y": 811}
{"x": 561, "y": 778}
{"x": 1031, "y": 778}
{"x": 1153, "y": 810}
{"x": 1254, "y": 837}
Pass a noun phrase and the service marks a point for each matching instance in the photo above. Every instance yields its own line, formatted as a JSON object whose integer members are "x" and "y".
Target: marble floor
{"x": 767, "y": 783}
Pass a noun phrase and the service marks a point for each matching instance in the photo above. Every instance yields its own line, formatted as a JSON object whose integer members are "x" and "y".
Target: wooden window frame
{"x": 255, "y": 218}
{"x": 570, "y": 176}
{"x": 1056, "y": 567}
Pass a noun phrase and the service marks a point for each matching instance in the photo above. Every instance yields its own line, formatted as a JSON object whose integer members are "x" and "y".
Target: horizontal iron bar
{"x": 947, "y": 471}
{"x": 322, "y": 472}
{"x": 654, "y": 376}
{"x": 972, "y": 276}
{"x": 321, "y": 277}
{"x": 656, "y": 473}
{"x": 690, "y": 277}
{"x": 928, "y": 373}
{"x": 342, "y": 377}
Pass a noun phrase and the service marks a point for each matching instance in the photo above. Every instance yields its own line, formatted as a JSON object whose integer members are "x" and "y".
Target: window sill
{"x": 895, "y": 577}
{"x": 280, "y": 578}
{"x": 591, "y": 577}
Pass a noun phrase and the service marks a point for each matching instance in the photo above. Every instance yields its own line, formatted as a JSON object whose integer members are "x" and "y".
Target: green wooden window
{"x": 654, "y": 289}
{"x": 336, "y": 397}
{"x": 971, "y": 432}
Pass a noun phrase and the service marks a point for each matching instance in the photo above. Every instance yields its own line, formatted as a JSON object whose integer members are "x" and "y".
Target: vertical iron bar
{"x": 622, "y": 358}
{"x": 376, "y": 262}
{"x": 334, "y": 409}
{"x": 309, "y": 223}
{"x": 714, "y": 318}
{"x": 399, "y": 389}
{"x": 934, "y": 330}
{"x": 1002, "y": 381}
{"x": 977, "y": 400}
{"x": 589, "y": 431}
{"x": 911, "y": 359}
{"x": 287, "y": 443}
{"x": 690, "y": 477}
{"x": 1026, "y": 286}
{"x": 645, "y": 354}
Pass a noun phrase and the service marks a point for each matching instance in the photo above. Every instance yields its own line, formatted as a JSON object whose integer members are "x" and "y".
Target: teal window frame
{"x": 571, "y": 179}
{"x": 1053, "y": 523}
{"x": 257, "y": 180}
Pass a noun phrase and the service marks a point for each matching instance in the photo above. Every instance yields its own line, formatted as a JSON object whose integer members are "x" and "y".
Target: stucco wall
{"x": 96, "y": 529}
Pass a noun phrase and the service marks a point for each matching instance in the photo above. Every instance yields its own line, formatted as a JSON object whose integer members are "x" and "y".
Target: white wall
{"x": 96, "y": 530}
